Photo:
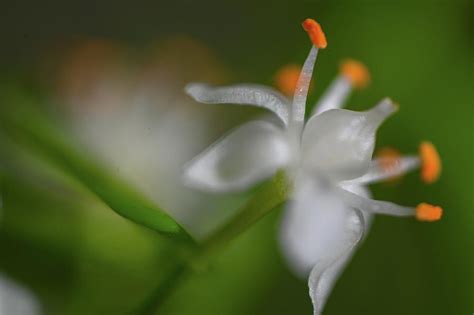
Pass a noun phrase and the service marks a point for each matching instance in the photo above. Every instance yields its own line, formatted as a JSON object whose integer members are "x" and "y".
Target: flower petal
{"x": 325, "y": 272}
{"x": 364, "y": 192}
{"x": 317, "y": 226}
{"x": 249, "y": 153}
{"x": 328, "y": 278}
{"x": 247, "y": 94}
{"x": 340, "y": 143}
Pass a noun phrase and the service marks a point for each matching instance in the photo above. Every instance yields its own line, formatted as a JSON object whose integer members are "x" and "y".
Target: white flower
{"x": 328, "y": 159}
{"x": 134, "y": 118}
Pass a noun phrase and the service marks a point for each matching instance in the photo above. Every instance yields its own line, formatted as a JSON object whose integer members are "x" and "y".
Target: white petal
{"x": 15, "y": 300}
{"x": 364, "y": 192}
{"x": 247, "y": 94}
{"x": 317, "y": 226}
{"x": 249, "y": 153}
{"x": 322, "y": 281}
{"x": 340, "y": 143}
{"x": 325, "y": 272}
{"x": 328, "y": 277}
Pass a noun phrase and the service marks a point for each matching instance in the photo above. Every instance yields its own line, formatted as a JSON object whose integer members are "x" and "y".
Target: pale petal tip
{"x": 430, "y": 162}
{"x": 389, "y": 105}
{"x": 193, "y": 89}
{"x": 428, "y": 213}
{"x": 315, "y": 33}
{"x": 383, "y": 109}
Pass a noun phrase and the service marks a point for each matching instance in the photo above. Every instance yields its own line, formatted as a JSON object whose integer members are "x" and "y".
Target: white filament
{"x": 302, "y": 87}
{"x": 375, "y": 206}
{"x": 334, "y": 97}
{"x": 378, "y": 173}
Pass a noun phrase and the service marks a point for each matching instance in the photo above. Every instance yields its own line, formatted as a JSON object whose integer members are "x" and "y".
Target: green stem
{"x": 164, "y": 289}
{"x": 267, "y": 198}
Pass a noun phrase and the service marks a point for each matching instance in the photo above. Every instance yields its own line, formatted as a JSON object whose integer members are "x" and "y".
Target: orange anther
{"x": 315, "y": 33}
{"x": 430, "y": 162}
{"x": 428, "y": 213}
{"x": 287, "y": 78}
{"x": 356, "y": 72}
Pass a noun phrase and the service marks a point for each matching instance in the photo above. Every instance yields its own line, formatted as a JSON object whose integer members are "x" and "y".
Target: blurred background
{"x": 111, "y": 74}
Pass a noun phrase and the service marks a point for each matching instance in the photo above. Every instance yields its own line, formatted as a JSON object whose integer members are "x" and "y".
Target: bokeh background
{"x": 111, "y": 73}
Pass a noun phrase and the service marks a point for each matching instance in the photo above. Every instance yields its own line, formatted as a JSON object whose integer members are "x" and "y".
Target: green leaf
{"x": 30, "y": 128}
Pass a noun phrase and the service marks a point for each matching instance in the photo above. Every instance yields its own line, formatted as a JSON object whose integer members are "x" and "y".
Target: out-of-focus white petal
{"x": 317, "y": 226}
{"x": 242, "y": 94}
{"x": 340, "y": 143}
{"x": 319, "y": 233}
{"x": 248, "y": 154}
{"x": 15, "y": 300}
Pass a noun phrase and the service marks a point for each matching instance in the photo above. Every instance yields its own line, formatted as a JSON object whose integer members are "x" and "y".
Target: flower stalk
{"x": 268, "y": 197}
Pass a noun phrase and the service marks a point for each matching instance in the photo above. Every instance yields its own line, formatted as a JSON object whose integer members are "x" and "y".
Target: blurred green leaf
{"x": 29, "y": 127}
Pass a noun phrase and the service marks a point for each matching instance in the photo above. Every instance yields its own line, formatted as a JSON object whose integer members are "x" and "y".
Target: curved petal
{"x": 320, "y": 291}
{"x": 364, "y": 192}
{"x": 340, "y": 143}
{"x": 249, "y": 153}
{"x": 325, "y": 272}
{"x": 243, "y": 94}
{"x": 317, "y": 226}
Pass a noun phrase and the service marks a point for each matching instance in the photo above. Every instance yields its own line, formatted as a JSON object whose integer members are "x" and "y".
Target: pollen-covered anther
{"x": 428, "y": 213}
{"x": 430, "y": 162}
{"x": 287, "y": 78}
{"x": 356, "y": 72}
{"x": 315, "y": 33}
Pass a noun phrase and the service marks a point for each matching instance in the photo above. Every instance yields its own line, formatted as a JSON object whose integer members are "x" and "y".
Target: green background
{"x": 420, "y": 53}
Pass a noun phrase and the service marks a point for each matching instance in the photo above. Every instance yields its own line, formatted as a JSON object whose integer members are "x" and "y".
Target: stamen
{"x": 356, "y": 73}
{"x": 287, "y": 78}
{"x": 430, "y": 162}
{"x": 375, "y": 206}
{"x": 428, "y": 213}
{"x": 334, "y": 97}
{"x": 315, "y": 33}
{"x": 376, "y": 173}
{"x": 388, "y": 158}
